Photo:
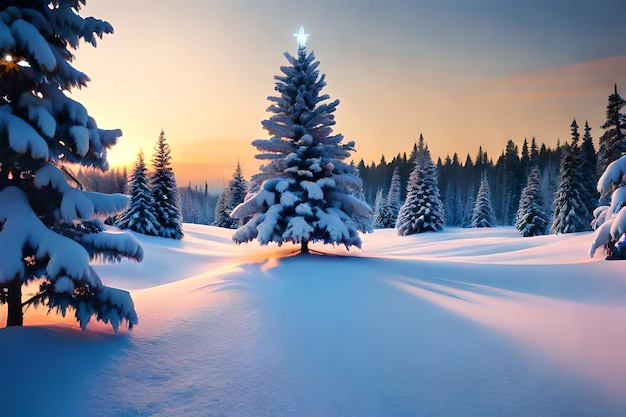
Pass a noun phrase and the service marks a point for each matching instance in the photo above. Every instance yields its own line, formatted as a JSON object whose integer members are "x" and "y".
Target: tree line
{"x": 459, "y": 181}
{"x": 564, "y": 178}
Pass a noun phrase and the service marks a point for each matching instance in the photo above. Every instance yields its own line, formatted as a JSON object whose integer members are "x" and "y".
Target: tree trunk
{"x": 304, "y": 248}
{"x": 15, "y": 317}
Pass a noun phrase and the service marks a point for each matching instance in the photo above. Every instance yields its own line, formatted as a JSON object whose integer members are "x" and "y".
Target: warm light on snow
{"x": 459, "y": 322}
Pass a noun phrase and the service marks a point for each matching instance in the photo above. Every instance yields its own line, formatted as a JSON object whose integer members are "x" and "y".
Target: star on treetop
{"x": 301, "y": 37}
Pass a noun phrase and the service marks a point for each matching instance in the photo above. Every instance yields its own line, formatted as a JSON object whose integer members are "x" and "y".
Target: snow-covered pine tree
{"x": 48, "y": 228}
{"x": 306, "y": 190}
{"x": 423, "y": 210}
{"x": 388, "y": 213}
{"x": 222, "y": 219}
{"x": 613, "y": 140}
{"x": 140, "y": 216}
{"x": 167, "y": 204}
{"x": 610, "y": 221}
{"x": 360, "y": 191}
{"x": 231, "y": 197}
{"x": 482, "y": 215}
{"x": 531, "y": 218}
{"x": 236, "y": 194}
{"x": 569, "y": 209}
{"x": 237, "y": 188}
{"x": 587, "y": 171}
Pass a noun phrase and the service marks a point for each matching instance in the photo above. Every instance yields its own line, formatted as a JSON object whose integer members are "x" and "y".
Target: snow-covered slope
{"x": 465, "y": 322}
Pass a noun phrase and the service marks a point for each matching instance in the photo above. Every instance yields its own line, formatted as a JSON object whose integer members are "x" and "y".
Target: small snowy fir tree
{"x": 139, "y": 216}
{"x": 222, "y": 219}
{"x": 569, "y": 209}
{"x": 167, "y": 204}
{"x": 613, "y": 140}
{"x": 231, "y": 197}
{"x": 388, "y": 213}
{"x": 423, "y": 210}
{"x": 48, "y": 228}
{"x": 237, "y": 189}
{"x": 236, "y": 194}
{"x": 482, "y": 215}
{"x": 531, "y": 218}
{"x": 306, "y": 190}
{"x": 610, "y": 221}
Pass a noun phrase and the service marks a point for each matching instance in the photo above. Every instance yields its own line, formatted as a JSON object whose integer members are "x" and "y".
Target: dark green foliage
{"x": 388, "y": 213}
{"x": 613, "y": 140}
{"x": 140, "y": 216}
{"x": 167, "y": 202}
{"x": 423, "y": 210}
{"x": 570, "y": 212}
{"x": 532, "y": 218}
{"x": 232, "y": 196}
{"x": 482, "y": 216}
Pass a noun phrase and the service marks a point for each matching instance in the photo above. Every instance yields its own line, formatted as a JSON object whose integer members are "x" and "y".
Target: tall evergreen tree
{"x": 222, "y": 219}
{"x": 531, "y": 218}
{"x": 237, "y": 189}
{"x": 525, "y": 163}
{"x": 588, "y": 164}
{"x": 167, "y": 203}
{"x": 569, "y": 209}
{"x": 451, "y": 183}
{"x": 534, "y": 151}
{"x": 469, "y": 190}
{"x": 48, "y": 228}
{"x": 388, "y": 214}
{"x": 482, "y": 215}
{"x": 140, "y": 216}
{"x": 423, "y": 210}
{"x": 306, "y": 190}
{"x": 233, "y": 195}
{"x": 613, "y": 140}
{"x": 515, "y": 178}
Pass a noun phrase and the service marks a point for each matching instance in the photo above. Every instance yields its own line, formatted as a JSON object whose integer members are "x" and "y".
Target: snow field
{"x": 472, "y": 322}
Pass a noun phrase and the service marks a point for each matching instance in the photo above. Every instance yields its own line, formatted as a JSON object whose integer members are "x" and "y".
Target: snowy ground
{"x": 464, "y": 322}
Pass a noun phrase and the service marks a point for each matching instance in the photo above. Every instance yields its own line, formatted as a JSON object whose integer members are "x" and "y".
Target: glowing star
{"x": 301, "y": 37}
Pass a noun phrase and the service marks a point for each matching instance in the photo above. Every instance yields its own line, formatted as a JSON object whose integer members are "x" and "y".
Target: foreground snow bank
{"x": 461, "y": 322}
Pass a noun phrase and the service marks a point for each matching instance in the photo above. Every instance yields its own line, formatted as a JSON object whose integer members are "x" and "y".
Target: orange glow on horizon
{"x": 453, "y": 118}
{"x": 391, "y": 88}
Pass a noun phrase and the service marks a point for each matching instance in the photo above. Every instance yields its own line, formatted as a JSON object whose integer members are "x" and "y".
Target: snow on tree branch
{"x": 106, "y": 204}
{"x": 22, "y": 228}
{"x": 47, "y": 229}
{"x": 22, "y": 137}
{"x": 113, "y": 245}
{"x": 29, "y": 38}
{"x": 612, "y": 177}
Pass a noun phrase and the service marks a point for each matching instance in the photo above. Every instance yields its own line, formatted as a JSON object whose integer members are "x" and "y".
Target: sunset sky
{"x": 463, "y": 73}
